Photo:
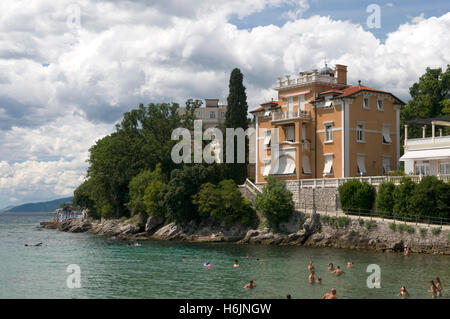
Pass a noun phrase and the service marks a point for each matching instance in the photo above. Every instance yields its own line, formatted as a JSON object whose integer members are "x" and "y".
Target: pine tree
{"x": 236, "y": 117}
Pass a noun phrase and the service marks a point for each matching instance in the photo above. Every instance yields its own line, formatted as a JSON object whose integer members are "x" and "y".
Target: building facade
{"x": 427, "y": 155}
{"x": 212, "y": 114}
{"x": 321, "y": 127}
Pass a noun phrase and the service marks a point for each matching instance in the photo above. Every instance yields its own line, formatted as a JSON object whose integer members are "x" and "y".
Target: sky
{"x": 70, "y": 69}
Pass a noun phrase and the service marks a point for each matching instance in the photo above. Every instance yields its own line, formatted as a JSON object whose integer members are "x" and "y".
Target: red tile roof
{"x": 351, "y": 90}
{"x": 258, "y": 109}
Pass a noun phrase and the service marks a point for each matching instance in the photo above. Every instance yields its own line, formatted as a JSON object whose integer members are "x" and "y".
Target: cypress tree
{"x": 236, "y": 117}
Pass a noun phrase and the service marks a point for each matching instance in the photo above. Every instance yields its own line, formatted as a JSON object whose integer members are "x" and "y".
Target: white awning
{"x": 286, "y": 165}
{"x": 328, "y": 103}
{"x": 267, "y": 138}
{"x": 386, "y": 136}
{"x": 438, "y": 153}
{"x": 305, "y": 165}
{"x": 328, "y": 165}
{"x": 267, "y": 113}
{"x": 361, "y": 165}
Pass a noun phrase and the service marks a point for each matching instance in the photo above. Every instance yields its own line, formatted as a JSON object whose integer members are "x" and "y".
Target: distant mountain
{"x": 42, "y": 207}
{"x": 6, "y": 208}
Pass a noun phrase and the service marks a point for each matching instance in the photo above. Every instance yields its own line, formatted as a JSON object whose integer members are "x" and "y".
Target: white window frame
{"x": 361, "y": 164}
{"x": 386, "y": 134}
{"x": 328, "y": 131}
{"x": 422, "y": 168}
{"x": 212, "y": 113}
{"x": 306, "y": 167}
{"x": 444, "y": 171}
{"x": 199, "y": 113}
{"x": 287, "y": 129}
{"x": 386, "y": 159}
{"x": 328, "y": 165}
{"x": 366, "y": 106}
{"x": 378, "y": 104}
{"x": 360, "y": 131}
{"x": 222, "y": 114}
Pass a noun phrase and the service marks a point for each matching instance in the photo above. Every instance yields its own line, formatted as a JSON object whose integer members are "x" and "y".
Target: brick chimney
{"x": 341, "y": 74}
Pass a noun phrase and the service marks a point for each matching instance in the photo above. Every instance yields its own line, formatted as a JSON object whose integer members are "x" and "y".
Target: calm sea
{"x": 112, "y": 269}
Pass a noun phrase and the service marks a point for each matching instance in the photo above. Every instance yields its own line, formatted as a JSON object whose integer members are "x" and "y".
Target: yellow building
{"x": 321, "y": 127}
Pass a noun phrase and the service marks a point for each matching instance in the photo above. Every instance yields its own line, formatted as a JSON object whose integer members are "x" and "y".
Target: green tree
{"x": 385, "y": 199}
{"x": 429, "y": 98}
{"x": 83, "y": 198}
{"x": 224, "y": 201}
{"x": 402, "y": 198}
{"x": 141, "y": 141}
{"x": 431, "y": 197}
{"x": 236, "y": 117}
{"x": 146, "y": 192}
{"x": 183, "y": 185}
{"x": 275, "y": 202}
{"x": 356, "y": 195}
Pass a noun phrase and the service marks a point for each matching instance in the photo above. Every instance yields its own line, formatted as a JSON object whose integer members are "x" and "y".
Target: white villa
{"x": 428, "y": 155}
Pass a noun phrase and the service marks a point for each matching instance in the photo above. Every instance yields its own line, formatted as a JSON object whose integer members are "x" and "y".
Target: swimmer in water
{"x": 236, "y": 264}
{"x": 319, "y": 280}
{"x": 406, "y": 251}
{"x": 338, "y": 271}
{"x": 331, "y": 295}
{"x": 310, "y": 266}
{"x": 350, "y": 264}
{"x": 288, "y": 296}
{"x": 311, "y": 277}
{"x": 33, "y": 245}
{"x": 439, "y": 286}
{"x": 207, "y": 264}
{"x": 433, "y": 290}
{"x": 403, "y": 293}
{"x": 330, "y": 267}
{"x": 184, "y": 258}
{"x": 250, "y": 285}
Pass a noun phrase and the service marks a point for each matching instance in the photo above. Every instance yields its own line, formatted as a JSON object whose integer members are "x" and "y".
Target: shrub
{"x": 431, "y": 197}
{"x": 361, "y": 222}
{"x": 146, "y": 193}
{"x": 275, "y": 202}
{"x": 436, "y": 231}
{"x": 402, "y": 198}
{"x": 385, "y": 199}
{"x": 355, "y": 195}
{"x": 406, "y": 228}
{"x": 336, "y": 222}
{"x": 370, "y": 224}
{"x": 423, "y": 231}
{"x": 393, "y": 226}
{"x": 224, "y": 201}
{"x": 448, "y": 236}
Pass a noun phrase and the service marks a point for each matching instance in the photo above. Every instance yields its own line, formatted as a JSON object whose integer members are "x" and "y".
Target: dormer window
{"x": 328, "y": 102}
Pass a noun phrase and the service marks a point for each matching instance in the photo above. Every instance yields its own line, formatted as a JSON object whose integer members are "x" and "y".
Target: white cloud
{"x": 128, "y": 52}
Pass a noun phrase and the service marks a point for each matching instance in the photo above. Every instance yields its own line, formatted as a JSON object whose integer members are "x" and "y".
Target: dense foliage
{"x": 431, "y": 196}
{"x": 224, "y": 201}
{"x": 402, "y": 194}
{"x": 385, "y": 199}
{"x": 356, "y": 195}
{"x": 275, "y": 202}
{"x": 236, "y": 117}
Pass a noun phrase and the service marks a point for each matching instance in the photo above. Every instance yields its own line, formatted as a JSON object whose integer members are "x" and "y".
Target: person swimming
{"x": 311, "y": 277}
{"x": 207, "y": 265}
{"x": 350, "y": 264}
{"x": 338, "y": 271}
{"x": 184, "y": 258}
{"x": 33, "y": 245}
{"x": 319, "y": 280}
{"x": 403, "y": 293}
{"x": 288, "y": 296}
{"x": 439, "y": 286}
{"x": 330, "y": 295}
{"x": 405, "y": 251}
{"x": 433, "y": 290}
{"x": 250, "y": 285}
{"x": 310, "y": 266}
{"x": 330, "y": 267}
{"x": 236, "y": 264}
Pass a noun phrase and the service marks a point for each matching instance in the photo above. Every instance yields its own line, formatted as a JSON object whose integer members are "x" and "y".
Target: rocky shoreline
{"x": 301, "y": 229}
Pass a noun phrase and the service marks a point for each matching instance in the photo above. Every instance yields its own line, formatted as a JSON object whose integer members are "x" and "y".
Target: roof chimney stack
{"x": 341, "y": 71}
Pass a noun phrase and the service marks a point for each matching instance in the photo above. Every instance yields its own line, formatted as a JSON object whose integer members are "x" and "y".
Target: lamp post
{"x": 314, "y": 201}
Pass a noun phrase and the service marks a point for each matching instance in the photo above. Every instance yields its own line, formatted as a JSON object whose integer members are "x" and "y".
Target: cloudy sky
{"x": 69, "y": 69}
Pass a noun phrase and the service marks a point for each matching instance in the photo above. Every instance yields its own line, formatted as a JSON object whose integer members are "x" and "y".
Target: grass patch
{"x": 361, "y": 222}
{"x": 423, "y": 232}
{"x": 370, "y": 224}
{"x": 406, "y": 228}
{"x": 436, "y": 231}
{"x": 263, "y": 225}
{"x": 393, "y": 226}
{"x": 336, "y": 222}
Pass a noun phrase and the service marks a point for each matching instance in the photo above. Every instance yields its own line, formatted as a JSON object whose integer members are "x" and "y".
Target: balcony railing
{"x": 290, "y": 115}
{"x": 305, "y": 79}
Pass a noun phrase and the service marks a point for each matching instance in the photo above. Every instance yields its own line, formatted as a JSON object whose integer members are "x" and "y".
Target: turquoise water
{"x": 111, "y": 269}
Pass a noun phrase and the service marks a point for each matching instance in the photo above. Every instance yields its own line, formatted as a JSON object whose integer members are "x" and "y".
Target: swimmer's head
{"x": 333, "y": 291}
